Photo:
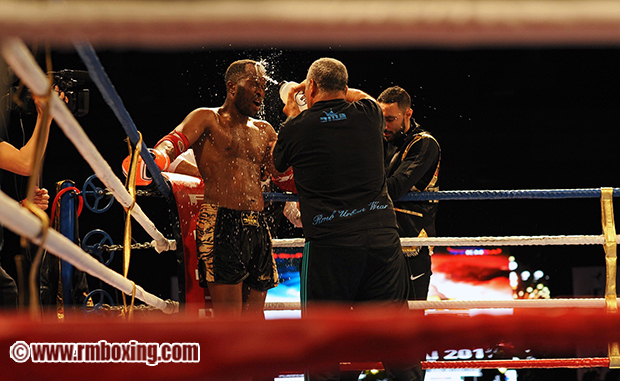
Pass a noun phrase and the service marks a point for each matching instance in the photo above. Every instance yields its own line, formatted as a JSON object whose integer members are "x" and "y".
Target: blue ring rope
{"x": 101, "y": 79}
{"x": 480, "y": 195}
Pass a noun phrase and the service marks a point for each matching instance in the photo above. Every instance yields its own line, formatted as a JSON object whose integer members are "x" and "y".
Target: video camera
{"x": 72, "y": 82}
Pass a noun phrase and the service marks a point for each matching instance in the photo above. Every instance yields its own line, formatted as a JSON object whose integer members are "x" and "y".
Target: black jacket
{"x": 412, "y": 164}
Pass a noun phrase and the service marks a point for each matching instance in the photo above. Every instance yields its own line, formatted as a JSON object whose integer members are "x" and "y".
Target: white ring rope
{"x": 476, "y": 304}
{"x": 174, "y": 24}
{"x": 479, "y": 241}
{"x": 22, "y": 222}
{"x": 507, "y": 241}
{"x": 516, "y": 303}
{"x": 23, "y": 64}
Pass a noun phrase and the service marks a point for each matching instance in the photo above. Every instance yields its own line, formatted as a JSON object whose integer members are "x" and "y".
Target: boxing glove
{"x": 143, "y": 176}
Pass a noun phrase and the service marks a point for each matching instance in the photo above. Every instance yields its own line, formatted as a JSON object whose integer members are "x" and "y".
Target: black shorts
{"x": 352, "y": 275}
{"x": 234, "y": 246}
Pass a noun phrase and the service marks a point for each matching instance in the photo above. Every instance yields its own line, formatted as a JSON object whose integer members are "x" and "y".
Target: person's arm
{"x": 279, "y": 152}
{"x": 421, "y": 158}
{"x": 283, "y": 179}
{"x": 184, "y": 167}
{"x": 185, "y": 164}
{"x": 354, "y": 95}
{"x": 178, "y": 141}
{"x": 21, "y": 161}
{"x": 185, "y": 135}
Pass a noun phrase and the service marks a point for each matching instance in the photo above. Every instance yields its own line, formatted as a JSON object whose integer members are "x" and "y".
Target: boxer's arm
{"x": 187, "y": 133}
{"x": 284, "y": 180}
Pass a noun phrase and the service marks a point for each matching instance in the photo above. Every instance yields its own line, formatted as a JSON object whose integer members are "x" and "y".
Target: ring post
{"x": 67, "y": 225}
{"x": 611, "y": 300}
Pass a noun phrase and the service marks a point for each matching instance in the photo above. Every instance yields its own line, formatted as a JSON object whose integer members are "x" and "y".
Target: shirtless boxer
{"x": 232, "y": 151}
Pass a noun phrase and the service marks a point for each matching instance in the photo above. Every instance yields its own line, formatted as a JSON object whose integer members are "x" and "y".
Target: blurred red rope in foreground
{"x": 249, "y": 346}
{"x": 594, "y": 362}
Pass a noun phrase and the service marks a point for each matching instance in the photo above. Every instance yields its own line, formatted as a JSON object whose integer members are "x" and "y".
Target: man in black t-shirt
{"x": 352, "y": 252}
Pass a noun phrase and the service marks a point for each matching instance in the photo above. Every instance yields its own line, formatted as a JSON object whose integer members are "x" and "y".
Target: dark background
{"x": 536, "y": 118}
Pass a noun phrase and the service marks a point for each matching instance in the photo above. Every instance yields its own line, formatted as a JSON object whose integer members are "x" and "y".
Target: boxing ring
{"x": 359, "y": 338}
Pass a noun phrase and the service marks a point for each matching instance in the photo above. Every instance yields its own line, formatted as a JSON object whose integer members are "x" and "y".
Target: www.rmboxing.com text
{"x": 102, "y": 351}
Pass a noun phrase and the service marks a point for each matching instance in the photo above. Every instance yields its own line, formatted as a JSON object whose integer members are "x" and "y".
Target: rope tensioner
{"x": 16, "y": 218}
{"x": 611, "y": 297}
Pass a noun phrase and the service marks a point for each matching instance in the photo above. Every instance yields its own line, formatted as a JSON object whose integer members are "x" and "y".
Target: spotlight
{"x": 525, "y": 275}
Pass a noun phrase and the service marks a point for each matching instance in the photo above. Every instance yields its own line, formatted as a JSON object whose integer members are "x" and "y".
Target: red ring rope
{"x": 593, "y": 362}
{"x": 228, "y": 347}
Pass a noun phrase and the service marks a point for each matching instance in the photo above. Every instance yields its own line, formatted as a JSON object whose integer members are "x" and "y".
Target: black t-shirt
{"x": 336, "y": 151}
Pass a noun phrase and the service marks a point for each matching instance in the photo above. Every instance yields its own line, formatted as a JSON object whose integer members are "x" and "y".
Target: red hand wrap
{"x": 178, "y": 140}
{"x": 285, "y": 181}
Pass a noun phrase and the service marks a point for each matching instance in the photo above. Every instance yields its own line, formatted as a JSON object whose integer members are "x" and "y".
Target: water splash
{"x": 270, "y": 61}
{"x": 264, "y": 64}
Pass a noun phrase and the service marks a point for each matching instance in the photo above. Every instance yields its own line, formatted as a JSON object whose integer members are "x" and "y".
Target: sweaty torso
{"x": 230, "y": 156}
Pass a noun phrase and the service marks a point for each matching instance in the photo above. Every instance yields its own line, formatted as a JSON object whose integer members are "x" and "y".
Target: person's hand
{"x": 41, "y": 102}
{"x": 41, "y": 198}
{"x": 291, "y": 108}
{"x": 292, "y": 213}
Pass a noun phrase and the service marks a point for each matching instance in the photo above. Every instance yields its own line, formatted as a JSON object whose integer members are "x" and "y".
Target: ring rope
{"x": 22, "y": 222}
{"x": 23, "y": 64}
{"x": 593, "y": 362}
{"x": 101, "y": 79}
{"x": 479, "y": 195}
{"x": 478, "y": 241}
{"x": 32, "y": 185}
{"x": 475, "y": 304}
{"x": 362, "y": 336}
{"x": 513, "y": 303}
{"x": 165, "y": 24}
